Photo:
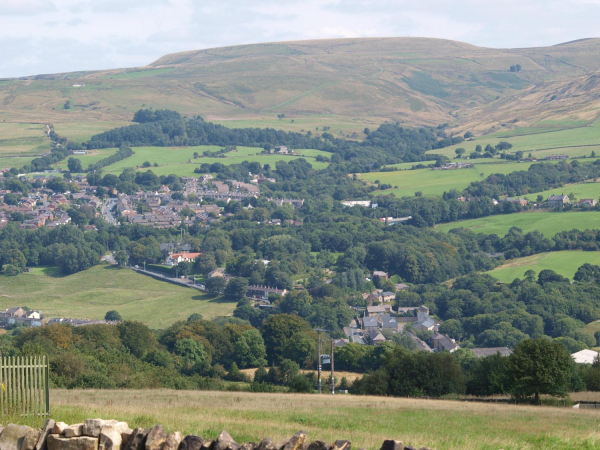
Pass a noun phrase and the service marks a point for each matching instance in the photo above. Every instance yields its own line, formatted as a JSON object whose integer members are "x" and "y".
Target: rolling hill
{"x": 343, "y": 83}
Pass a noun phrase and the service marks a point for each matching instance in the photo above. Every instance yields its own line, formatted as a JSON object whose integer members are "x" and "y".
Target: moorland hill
{"x": 411, "y": 80}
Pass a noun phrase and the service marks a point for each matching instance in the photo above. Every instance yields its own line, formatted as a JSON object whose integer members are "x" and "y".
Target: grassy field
{"x": 91, "y": 157}
{"x": 93, "y": 292}
{"x": 541, "y": 141}
{"x": 23, "y": 139}
{"x": 180, "y": 160}
{"x": 337, "y": 124}
{"x": 8, "y": 162}
{"x": 580, "y": 190}
{"x": 548, "y": 223}
{"x": 565, "y": 263}
{"x": 365, "y": 421}
{"x": 435, "y": 182}
{"x": 80, "y": 131}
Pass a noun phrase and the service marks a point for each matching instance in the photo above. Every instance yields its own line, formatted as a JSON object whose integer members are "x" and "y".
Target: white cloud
{"x": 46, "y": 36}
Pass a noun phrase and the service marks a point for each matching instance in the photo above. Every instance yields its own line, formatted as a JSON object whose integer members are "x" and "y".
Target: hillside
{"x": 91, "y": 293}
{"x": 343, "y": 83}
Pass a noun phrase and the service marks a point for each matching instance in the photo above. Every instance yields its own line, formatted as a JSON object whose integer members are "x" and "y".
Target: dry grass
{"x": 366, "y": 421}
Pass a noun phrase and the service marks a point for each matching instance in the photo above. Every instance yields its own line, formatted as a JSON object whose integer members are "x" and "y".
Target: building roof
{"x": 370, "y": 322}
{"x": 585, "y": 356}
{"x": 483, "y": 352}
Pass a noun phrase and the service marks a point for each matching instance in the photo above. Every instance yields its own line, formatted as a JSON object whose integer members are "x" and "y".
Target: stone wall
{"x": 99, "y": 434}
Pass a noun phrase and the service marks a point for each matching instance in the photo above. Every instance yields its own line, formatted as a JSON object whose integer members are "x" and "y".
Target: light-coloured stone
{"x": 12, "y": 437}
{"x": 156, "y": 437}
{"x": 59, "y": 428}
{"x": 208, "y": 445}
{"x": 93, "y": 427}
{"x": 173, "y": 441}
{"x": 282, "y": 443}
{"x": 46, "y": 430}
{"x": 56, "y": 442}
{"x": 31, "y": 439}
{"x": 296, "y": 441}
{"x": 74, "y": 430}
{"x": 225, "y": 442}
{"x": 110, "y": 438}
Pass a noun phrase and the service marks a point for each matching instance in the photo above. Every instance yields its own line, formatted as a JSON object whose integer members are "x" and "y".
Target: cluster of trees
{"x": 479, "y": 312}
{"x": 122, "y": 153}
{"x": 537, "y": 366}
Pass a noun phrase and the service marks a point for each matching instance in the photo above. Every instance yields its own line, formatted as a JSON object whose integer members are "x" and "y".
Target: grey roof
{"x": 483, "y": 352}
{"x": 370, "y": 322}
{"x": 421, "y": 345}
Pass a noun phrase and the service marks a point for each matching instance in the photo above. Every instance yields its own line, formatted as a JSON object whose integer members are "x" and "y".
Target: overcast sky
{"x": 49, "y": 36}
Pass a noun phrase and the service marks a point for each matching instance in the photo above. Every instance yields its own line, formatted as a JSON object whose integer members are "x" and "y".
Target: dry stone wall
{"x": 99, "y": 434}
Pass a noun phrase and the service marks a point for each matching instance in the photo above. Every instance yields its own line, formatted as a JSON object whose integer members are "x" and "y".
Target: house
{"x": 340, "y": 342}
{"x": 401, "y": 287}
{"x": 556, "y": 157}
{"x": 558, "y": 201}
{"x": 379, "y": 309}
{"x": 379, "y": 274}
{"x": 443, "y": 343}
{"x": 483, "y": 352}
{"x": 388, "y": 296}
{"x": 424, "y": 322}
{"x": 421, "y": 344}
{"x": 263, "y": 292}
{"x": 585, "y": 356}
{"x": 388, "y": 322}
{"x": 175, "y": 258}
{"x": 282, "y": 149}
{"x": 218, "y": 272}
{"x": 351, "y": 203}
{"x": 587, "y": 202}
{"x": 375, "y": 337}
{"x": 370, "y": 322}
{"x": 519, "y": 201}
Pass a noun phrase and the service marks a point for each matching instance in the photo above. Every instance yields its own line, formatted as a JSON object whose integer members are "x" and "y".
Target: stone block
{"x": 156, "y": 436}
{"x": 248, "y": 446}
{"x": 392, "y": 445}
{"x": 267, "y": 444}
{"x": 282, "y": 443}
{"x": 137, "y": 440}
{"x": 93, "y": 427}
{"x": 31, "y": 439}
{"x": 341, "y": 445}
{"x": 12, "y": 437}
{"x": 59, "y": 428}
{"x": 173, "y": 441}
{"x": 74, "y": 430}
{"x": 191, "y": 443}
{"x": 208, "y": 445}
{"x": 46, "y": 430}
{"x": 318, "y": 445}
{"x": 110, "y": 438}
{"x": 56, "y": 442}
{"x": 295, "y": 441}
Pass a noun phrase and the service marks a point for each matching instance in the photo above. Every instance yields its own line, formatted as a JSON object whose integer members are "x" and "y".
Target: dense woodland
{"x": 337, "y": 242}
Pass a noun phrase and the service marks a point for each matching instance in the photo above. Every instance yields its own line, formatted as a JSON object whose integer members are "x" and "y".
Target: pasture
{"x": 580, "y": 190}
{"x": 565, "y": 263}
{"x": 180, "y": 160}
{"x": 92, "y": 156}
{"x": 548, "y": 223}
{"x": 82, "y": 131}
{"x": 91, "y": 293}
{"x": 435, "y": 182}
{"x": 540, "y": 141}
{"x": 365, "y": 421}
{"x": 23, "y": 139}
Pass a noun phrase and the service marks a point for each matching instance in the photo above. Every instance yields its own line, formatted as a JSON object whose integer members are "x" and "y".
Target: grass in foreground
{"x": 366, "y": 421}
{"x": 548, "y": 223}
{"x": 93, "y": 292}
{"x": 565, "y": 263}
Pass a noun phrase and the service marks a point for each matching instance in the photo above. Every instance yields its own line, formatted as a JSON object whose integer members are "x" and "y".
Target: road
{"x": 107, "y": 214}
{"x": 187, "y": 282}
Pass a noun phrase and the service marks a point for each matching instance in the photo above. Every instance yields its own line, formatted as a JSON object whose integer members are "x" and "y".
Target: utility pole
{"x": 332, "y": 375}
{"x": 320, "y": 358}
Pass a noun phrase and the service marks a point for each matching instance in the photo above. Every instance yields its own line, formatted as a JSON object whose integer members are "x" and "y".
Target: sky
{"x": 51, "y": 36}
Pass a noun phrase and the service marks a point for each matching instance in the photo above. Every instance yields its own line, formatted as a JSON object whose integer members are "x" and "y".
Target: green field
{"x": 81, "y": 131}
{"x": 365, "y": 421}
{"x": 540, "y": 141}
{"x": 565, "y": 263}
{"x": 20, "y": 161}
{"x": 93, "y": 292}
{"x": 23, "y": 139}
{"x": 548, "y": 223}
{"x": 93, "y": 156}
{"x": 435, "y": 182}
{"x": 580, "y": 190}
{"x": 180, "y": 160}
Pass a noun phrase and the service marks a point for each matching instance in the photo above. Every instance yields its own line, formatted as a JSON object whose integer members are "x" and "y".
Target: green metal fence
{"x": 24, "y": 385}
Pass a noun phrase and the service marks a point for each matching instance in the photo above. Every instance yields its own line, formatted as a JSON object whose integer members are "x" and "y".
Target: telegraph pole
{"x": 320, "y": 358}
{"x": 332, "y": 377}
